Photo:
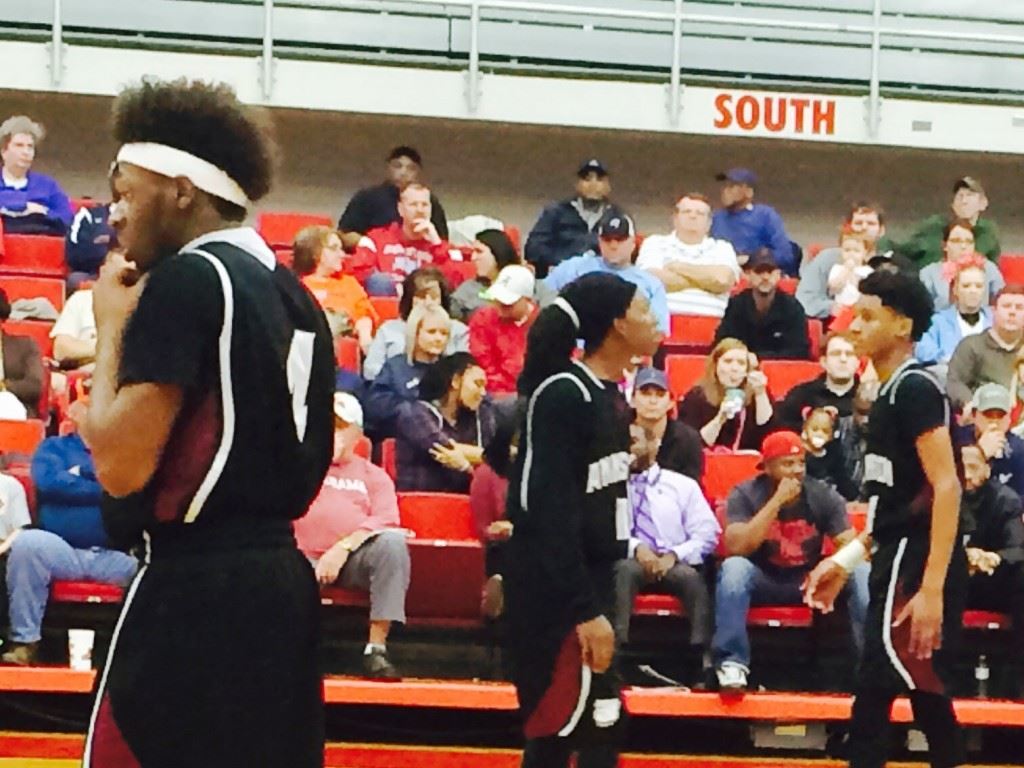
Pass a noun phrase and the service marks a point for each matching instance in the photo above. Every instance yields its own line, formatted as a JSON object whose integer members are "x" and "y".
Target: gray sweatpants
{"x": 380, "y": 566}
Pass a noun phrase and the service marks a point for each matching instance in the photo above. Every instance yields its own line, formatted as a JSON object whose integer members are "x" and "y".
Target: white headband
{"x": 566, "y": 307}
{"x": 173, "y": 162}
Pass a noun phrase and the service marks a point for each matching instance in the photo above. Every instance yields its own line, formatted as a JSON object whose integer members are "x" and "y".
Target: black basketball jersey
{"x": 253, "y": 354}
{"x": 910, "y": 404}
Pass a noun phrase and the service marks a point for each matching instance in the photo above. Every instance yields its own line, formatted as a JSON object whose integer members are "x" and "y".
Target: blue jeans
{"x": 741, "y": 583}
{"x": 381, "y": 284}
{"x": 38, "y": 558}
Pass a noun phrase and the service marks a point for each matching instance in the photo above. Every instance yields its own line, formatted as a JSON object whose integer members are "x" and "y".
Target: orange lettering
{"x": 774, "y": 121}
{"x": 824, "y": 116}
{"x": 724, "y": 119}
{"x": 799, "y": 105}
{"x": 748, "y": 112}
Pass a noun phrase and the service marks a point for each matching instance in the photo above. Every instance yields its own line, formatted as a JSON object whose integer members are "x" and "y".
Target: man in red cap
{"x": 773, "y": 539}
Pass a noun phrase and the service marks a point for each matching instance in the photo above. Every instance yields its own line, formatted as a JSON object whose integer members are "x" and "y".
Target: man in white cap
{"x": 351, "y": 534}
{"x": 497, "y": 333}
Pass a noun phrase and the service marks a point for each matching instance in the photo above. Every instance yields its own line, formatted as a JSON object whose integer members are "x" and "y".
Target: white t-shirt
{"x": 77, "y": 319}
{"x": 13, "y": 506}
{"x": 658, "y": 251}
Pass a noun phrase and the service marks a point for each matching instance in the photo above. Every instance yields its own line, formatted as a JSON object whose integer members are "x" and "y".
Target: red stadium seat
{"x": 285, "y": 256}
{"x": 353, "y": 598}
{"x": 815, "y": 330}
{"x": 813, "y": 250}
{"x": 386, "y": 306}
{"x": 279, "y": 229}
{"x": 783, "y": 375}
{"x": 347, "y": 353}
{"x": 364, "y": 447}
{"x": 33, "y": 255}
{"x": 782, "y": 616}
{"x": 34, "y": 287}
{"x": 21, "y": 436}
{"x": 447, "y": 579}
{"x": 692, "y": 333}
{"x": 1012, "y": 267}
{"x": 788, "y": 285}
{"x": 437, "y": 516}
{"x": 85, "y": 592}
{"x": 389, "y": 458}
{"x": 78, "y": 203}
{"x": 683, "y": 372}
{"x": 723, "y": 471}
{"x": 23, "y": 474}
{"x": 34, "y": 329}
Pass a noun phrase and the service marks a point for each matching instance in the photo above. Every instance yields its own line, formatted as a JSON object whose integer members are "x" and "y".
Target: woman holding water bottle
{"x": 730, "y": 406}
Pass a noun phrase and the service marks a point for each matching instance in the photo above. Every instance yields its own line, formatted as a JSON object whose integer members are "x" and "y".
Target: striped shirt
{"x": 658, "y": 251}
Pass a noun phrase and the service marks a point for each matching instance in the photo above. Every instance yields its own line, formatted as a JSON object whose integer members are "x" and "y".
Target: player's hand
{"x": 823, "y": 585}
{"x": 425, "y": 229}
{"x": 500, "y": 530}
{"x": 597, "y": 643}
{"x": 788, "y": 491}
{"x": 924, "y": 611}
{"x": 116, "y": 291}
{"x": 329, "y": 566}
{"x": 992, "y": 443}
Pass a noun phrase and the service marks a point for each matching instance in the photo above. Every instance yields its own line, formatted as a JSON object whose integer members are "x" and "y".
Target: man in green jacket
{"x": 969, "y": 202}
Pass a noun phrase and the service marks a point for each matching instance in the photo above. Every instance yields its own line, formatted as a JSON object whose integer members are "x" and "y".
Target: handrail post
{"x": 874, "y": 91}
{"x": 674, "y": 81}
{"x": 267, "y": 59}
{"x": 473, "y": 74}
{"x": 57, "y": 46}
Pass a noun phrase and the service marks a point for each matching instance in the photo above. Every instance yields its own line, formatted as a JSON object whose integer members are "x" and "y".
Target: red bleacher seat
{"x": 34, "y": 329}
{"x": 722, "y": 471}
{"x": 386, "y": 306}
{"x": 279, "y": 229}
{"x": 692, "y": 333}
{"x": 388, "y": 458}
{"x": 446, "y": 582}
{"x": 815, "y": 330}
{"x": 986, "y": 620}
{"x": 783, "y": 375}
{"x": 683, "y": 372}
{"x": 285, "y": 256}
{"x": 335, "y": 595}
{"x": 23, "y": 474}
{"x": 437, "y": 516}
{"x": 347, "y": 353}
{"x": 1012, "y": 267}
{"x": 515, "y": 237}
{"x": 21, "y": 436}
{"x": 33, "y": 255}
{"x": 364, "y": 447}
{"x": 34, "y": 287}
{"x": 85, "y": 592}
{"x": 790, "y": 616}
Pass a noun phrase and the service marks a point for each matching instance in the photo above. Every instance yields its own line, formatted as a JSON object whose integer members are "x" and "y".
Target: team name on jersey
{"x": 878, "y": 469}
{"x": 608, "y": 470}
{"x": 346, "y": 484}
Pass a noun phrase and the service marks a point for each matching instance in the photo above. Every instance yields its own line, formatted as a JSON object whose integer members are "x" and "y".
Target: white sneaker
{"x": 732, "y": 676}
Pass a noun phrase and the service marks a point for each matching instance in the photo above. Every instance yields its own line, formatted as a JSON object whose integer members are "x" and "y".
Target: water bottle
{"x": 981, "y": 675}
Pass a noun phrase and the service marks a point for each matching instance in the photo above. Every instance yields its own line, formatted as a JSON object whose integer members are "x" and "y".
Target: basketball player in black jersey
{"x": 918, "y": 566}
{"x": 211, "y": 427}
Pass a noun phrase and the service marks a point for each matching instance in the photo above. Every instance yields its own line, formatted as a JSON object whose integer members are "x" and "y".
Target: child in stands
{"x": 852, "y": 267}
{"x": 826, "y": 459}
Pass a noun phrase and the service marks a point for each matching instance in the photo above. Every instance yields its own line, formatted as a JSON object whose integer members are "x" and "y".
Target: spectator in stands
{"x": 21, "y": 370}
{"x": 751, "y": 226}
{"x": 992, "y": 355}
{"x": 773, "y": 538}
{"x": 14, "y": 516}
{"x": 835, "y": 386}
{"x": 74, "y": 333}
{"x": 427, "y": 331}
{"x": 853, "y": 431}
{"x": 730, "y": 406}
{"x": 352, "y": 535}
{"x": 995, "y": 549}
{"x": 492, "y": 252}
{"x": 567, "y": 228}
{"x": 374, "y": 207}
{"x": 846, "y": 274}
{"x": 673, "y": 533}
{"x": 697, "y": 271}
{"x": 958, "y": 245}
{"x": 441, "y": 436}
{"x": 497, "y": 333}
{"x": 318, "y": 258}
{"x": 680, "y": 447}
{"x": 616, "y": 245}
{"x": 989, "y": 429}
{"x": 386, "y": 255}
{"x": 926, "y": 245}
{"x": 70, "y": 542}
{"x": 826, "y": 458}
{"x": 969, "y": 315}
{"x": 769, "y": 321}
{"x": 87, "y": 243}
{"x": 424, "y": 286}
{"x": 30, "y": 203}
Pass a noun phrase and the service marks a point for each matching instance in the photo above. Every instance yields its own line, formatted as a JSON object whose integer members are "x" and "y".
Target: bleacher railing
{"x": 941, "y": 47}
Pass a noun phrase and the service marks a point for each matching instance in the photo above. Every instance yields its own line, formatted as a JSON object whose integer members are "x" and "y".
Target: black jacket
{"x": 373, "y": 207}
{"x": 993, "y": 515}
{"x": 560, "y": 233}
{"x": 682, "y": 450}
{"x": 815, "y": 394}
{"x": 781, "y": 332}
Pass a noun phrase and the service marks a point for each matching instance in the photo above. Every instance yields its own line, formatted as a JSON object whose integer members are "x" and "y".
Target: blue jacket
{"x": 40, "y": 189}
{"x": 560, "y": 233}
{"x": 68, "y": 493}
{"x": 398, "y": 382}
{"x": 750, "y": 229}
{"x": 88, "y": 239}
{"x": 942, "y": 336}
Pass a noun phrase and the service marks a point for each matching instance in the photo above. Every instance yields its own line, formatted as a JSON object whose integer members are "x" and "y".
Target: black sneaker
{"x": 376, "y": 664}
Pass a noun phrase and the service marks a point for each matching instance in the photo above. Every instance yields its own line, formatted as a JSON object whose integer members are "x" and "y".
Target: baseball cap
{"x": 651, "y": 377}
{"x": 968, "y": 182}
{"x": 513, "y": 283}
{"x": 763, "y": 260}
{"x": 738, "y": 176}
{"x": 615, "y": 225}
{"x": 991, "y": 397}
{"x": 348, "y": 409}
{"x": 593, "y": 165}
{"x": 777, "y": 444}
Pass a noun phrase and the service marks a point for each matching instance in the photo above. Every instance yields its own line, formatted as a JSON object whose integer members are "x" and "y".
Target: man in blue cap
{"x": 750, "y": 226}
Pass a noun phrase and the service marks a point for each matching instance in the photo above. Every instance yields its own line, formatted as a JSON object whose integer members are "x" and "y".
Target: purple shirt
{"x": 40, "y": 189}
{"x": 683, "y": 520}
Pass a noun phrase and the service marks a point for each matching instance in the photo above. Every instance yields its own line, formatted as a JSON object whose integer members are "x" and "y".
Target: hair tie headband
{"x": 566, "y": 307}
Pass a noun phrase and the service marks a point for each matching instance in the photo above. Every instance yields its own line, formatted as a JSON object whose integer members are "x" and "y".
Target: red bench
{"x": 34, "y": 287}
{"x": 33, "y": 255}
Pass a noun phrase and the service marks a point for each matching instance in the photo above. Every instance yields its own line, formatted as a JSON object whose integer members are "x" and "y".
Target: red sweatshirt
{"x": 386, "y": 249}
{"x": 499, "y": 346}
{"x": 356, "y": 496}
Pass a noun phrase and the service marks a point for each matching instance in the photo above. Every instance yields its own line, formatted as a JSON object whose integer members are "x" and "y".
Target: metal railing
{"x": 874, "y": 27}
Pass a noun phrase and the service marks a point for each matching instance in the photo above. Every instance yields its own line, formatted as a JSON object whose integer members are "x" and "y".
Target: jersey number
{"x": 300, "y": 369}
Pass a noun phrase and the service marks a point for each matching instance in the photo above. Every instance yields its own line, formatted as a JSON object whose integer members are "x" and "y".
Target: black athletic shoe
{"x": 377, "y": 664}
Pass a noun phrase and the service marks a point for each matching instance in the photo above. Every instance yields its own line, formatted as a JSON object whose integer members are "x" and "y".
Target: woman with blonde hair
{"x": 730, "y": 405}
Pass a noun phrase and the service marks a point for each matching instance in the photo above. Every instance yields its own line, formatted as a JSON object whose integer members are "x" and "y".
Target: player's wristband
{"x": 850, "y": 555}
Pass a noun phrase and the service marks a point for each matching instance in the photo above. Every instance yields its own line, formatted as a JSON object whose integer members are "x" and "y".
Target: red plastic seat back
{"x": 783, "y": 375}
{"x": 389, "y": 458}
{"x": 694, "y": 332}
{"x": 33, "y": 287}
{"x": 39, "y": 330}
{"x": 386, "y": 306}
{"x": 279, "y": 229}
{"x": 33, "y": 255}
{"x": 815, "y": 330}
{"x": 723, "y": 471}
{"x": 1012, "y": 267}
{"x": 683, "y": 372}
{"x": 21, "y": 436}
{"x": 364, "y": 447}
{"x": 437, "y": 515}
{"x": 347, "y": 354}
